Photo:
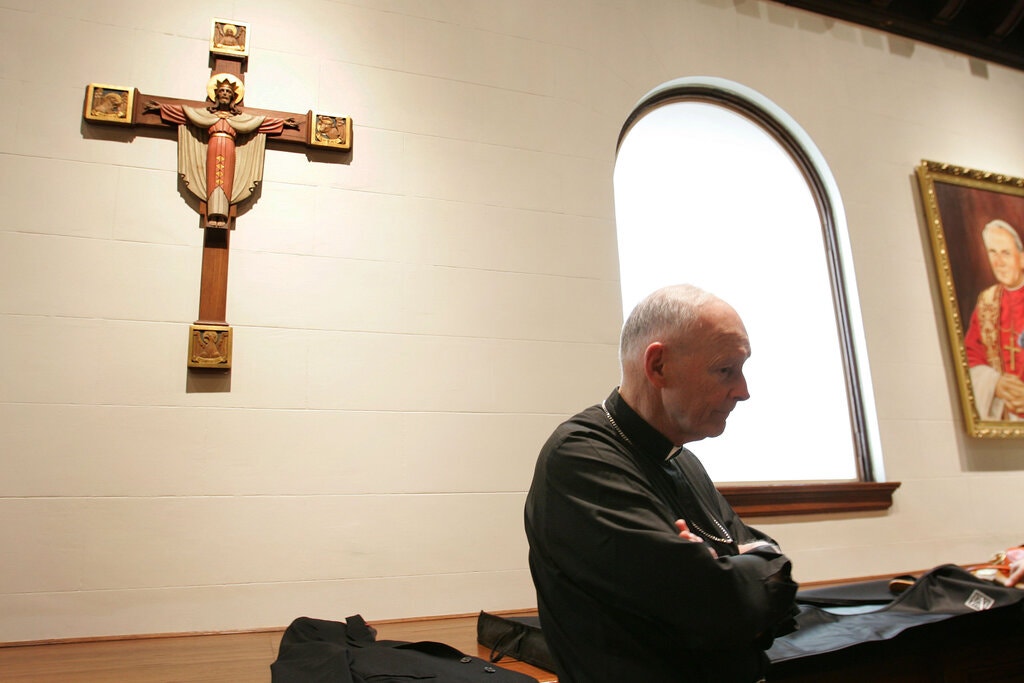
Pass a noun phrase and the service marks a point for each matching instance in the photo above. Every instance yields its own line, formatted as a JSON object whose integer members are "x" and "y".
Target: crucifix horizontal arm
{"x": 151, "y": 119}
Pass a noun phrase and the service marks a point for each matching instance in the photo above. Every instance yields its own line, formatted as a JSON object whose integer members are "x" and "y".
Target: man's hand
{"x": 686, "y": 534}
{"x": 1010, "y": 388}
{"x": 747, "y": 547}
{"x": 1016, "y": 573}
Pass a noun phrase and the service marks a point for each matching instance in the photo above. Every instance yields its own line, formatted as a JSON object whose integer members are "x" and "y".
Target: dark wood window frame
{"x": 772, "y": 500}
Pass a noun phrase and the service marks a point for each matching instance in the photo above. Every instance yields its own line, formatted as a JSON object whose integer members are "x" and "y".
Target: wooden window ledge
{"x": 773, "y": 500}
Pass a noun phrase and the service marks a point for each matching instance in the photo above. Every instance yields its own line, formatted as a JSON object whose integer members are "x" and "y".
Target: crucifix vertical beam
{"x": 213, "y": 287}
{"x": 220, "y": 162}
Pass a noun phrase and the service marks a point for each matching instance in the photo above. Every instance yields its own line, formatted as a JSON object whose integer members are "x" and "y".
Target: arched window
{"x": 717, "y": 186}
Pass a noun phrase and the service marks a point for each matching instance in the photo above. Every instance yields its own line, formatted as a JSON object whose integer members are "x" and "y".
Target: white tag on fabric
{"x": 979, "y": 602}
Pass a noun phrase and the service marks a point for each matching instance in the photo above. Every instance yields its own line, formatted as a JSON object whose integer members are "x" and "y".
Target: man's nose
{"x": 740, "y": 392}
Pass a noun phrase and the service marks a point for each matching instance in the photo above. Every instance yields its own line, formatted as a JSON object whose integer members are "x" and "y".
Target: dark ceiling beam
{"x": 954, "y": 35}
{"x": 1012, "y": 20}
{"x": 949, "y": 11}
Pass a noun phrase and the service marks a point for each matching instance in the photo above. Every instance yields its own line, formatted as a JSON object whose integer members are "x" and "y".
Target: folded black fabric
{"x": 320, "y": 651}
{"x": 860, "y": 593}
{"x": 939, "y": 595}
{"x": 516, "y": 637}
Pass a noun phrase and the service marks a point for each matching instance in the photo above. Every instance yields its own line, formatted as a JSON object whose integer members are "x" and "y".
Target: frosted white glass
{"x": 704, "y": 195}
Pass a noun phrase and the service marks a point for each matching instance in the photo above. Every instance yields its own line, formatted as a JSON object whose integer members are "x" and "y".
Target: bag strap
{"x": 499, "y": 650}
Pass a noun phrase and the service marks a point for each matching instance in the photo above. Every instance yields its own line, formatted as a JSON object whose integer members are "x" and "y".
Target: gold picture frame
{"x": 230, "y": 38}
{"x": 209, "y": 346}
{"x": 976, "y": 224}
{"x": 329, "y": 130}
{"x": 109, "y": 103}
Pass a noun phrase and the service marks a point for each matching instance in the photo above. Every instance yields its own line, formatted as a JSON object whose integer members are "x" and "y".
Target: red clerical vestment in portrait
{"x": 995, "y": 346}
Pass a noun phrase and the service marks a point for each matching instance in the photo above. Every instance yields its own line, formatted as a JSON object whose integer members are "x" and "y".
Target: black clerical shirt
{"x": 622, "y": 598}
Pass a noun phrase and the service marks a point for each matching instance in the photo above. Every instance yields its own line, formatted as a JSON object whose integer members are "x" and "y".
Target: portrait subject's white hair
{"x": 1000, "y": 224}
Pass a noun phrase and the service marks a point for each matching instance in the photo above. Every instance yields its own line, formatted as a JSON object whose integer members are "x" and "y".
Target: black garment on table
{"x": 943, "y": 593}
{"x": 621, "y": 597}
{"x": 319, "y": 651}
{"x": 860, "y": 593}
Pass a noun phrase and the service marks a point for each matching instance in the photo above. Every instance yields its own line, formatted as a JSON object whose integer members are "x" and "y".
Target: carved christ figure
{"x": 220, "y": 148}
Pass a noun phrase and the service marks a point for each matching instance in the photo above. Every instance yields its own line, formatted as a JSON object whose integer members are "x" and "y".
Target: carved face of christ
{"x": 225, "y": 95}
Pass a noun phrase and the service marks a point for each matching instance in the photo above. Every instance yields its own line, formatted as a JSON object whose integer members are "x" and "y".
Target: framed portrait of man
{"x": 976, "y": 223}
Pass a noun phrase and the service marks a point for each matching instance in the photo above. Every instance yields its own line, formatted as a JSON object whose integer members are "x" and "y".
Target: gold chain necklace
{"x": 727, "y": 539}
{"x": 614, "y": 424}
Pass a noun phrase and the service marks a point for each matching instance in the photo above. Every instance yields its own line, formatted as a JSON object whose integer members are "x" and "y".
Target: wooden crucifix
{"x": 220, "y": 162}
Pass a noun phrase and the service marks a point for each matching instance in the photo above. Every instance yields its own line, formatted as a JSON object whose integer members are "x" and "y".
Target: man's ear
{"x": 654, "y": 364}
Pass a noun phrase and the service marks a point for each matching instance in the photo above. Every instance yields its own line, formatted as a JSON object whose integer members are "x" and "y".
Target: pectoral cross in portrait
{"x": 1013, "y": 348}
{"x": 221, "y": 148}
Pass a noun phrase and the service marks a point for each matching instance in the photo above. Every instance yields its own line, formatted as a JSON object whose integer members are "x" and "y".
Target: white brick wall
{"x": 411, "y": 325}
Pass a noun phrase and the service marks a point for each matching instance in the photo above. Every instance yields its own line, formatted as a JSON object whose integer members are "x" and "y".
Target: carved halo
{"x": 216, "y": 79}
